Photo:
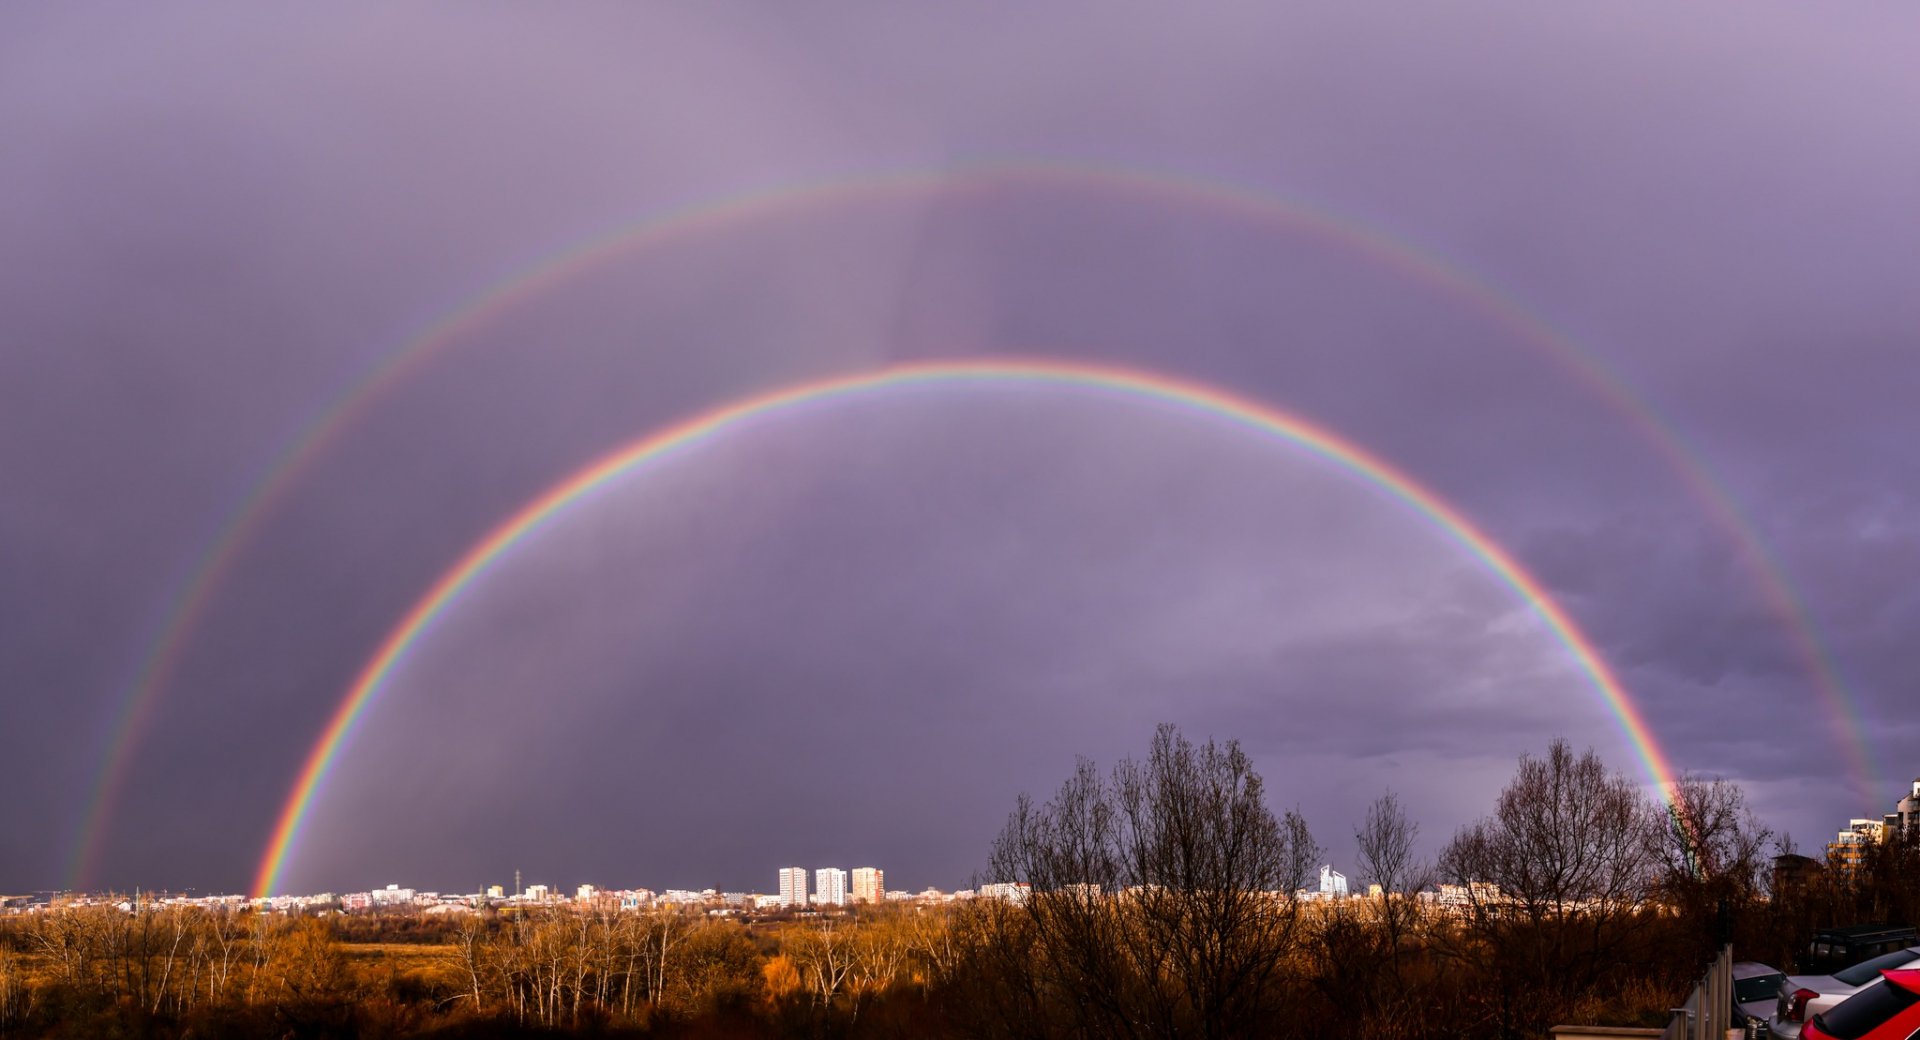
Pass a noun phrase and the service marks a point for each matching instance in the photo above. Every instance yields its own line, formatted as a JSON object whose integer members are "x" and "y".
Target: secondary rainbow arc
{"x": 1130, "y": 383}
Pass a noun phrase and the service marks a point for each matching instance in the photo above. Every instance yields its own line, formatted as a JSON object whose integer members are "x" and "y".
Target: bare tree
{"x": 17, "y": 993}
{"x": 881, "y": 951}
{"x": 1162, "y": 897}
{"x": 1711, "y": 836}
{"x": 826, "y": 954}
{"x": 1385, "y": 842}
{"x": 934, "y": 939}
{"x": 470, "y": 939}
{"x": 177, "y": 923}
{"x": 1554, "y": 882}
{"x": 227, "y": 932}
{"x": 1711, "y": 854}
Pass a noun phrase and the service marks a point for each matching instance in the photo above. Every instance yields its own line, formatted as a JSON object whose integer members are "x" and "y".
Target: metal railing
{"x": 1708, "y": 1012}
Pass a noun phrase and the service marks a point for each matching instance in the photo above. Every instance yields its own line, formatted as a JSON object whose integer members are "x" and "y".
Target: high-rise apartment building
{"x": 793, "y": 886}
{"x": 869, "y": 885}
{"x": 1333, "y": 884}
{"x": 830, "y": 886}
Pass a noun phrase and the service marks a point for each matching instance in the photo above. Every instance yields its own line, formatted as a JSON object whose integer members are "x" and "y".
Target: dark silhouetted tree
{"x": 1554, "y": 882}
{"x": 1162, "y": 896}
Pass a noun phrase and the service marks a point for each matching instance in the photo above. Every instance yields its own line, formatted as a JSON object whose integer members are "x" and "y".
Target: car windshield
{"x": 1866, "y": 971}
{"x": 1861, "y": 1013}
{"x": 1760, "y": 987}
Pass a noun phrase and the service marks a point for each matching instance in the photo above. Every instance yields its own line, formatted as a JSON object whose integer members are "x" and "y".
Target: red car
{"x": 1886, "y": 1010}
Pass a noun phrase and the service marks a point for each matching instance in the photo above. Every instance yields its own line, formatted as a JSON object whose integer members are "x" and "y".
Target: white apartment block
{"x": 830, "y": 887}
{"x": 793, "y": 886}
{"x": 869, "y": 885}
{"x": 1011, "y": 891}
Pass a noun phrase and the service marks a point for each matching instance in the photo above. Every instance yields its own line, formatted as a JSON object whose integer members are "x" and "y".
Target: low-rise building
{"x": 1849, "y": 847}
{"x": 392, "y": 895}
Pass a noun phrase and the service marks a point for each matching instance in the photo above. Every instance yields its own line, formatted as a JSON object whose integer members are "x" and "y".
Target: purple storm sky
{"x": 853, "y": 635}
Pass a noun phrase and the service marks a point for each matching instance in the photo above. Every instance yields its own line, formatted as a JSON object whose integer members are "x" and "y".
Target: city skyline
{"x": 846, "y": 888}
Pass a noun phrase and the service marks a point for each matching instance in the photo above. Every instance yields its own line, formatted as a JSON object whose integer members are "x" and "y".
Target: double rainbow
{"x": 186, "y": 609}
{"x": 1122, "y": 383}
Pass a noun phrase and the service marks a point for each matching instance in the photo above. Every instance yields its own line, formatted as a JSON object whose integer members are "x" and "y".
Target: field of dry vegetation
{"x": 1162, "y": 907}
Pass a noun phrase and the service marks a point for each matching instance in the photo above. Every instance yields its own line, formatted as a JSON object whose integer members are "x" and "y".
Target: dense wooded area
{"x": 1163, "y": 903}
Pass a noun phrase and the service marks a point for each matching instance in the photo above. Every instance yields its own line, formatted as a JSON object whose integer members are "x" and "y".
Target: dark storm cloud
{"x": 1669, "y": 597}
{"x": 211, "y": 220}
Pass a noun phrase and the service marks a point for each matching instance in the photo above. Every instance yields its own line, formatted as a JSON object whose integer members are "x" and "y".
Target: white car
{"x": 1755, "y": 987}
{"x": 1804, "y": 996}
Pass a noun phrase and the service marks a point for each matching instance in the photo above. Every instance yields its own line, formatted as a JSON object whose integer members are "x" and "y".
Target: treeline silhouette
{"x": 1163, "y": 903}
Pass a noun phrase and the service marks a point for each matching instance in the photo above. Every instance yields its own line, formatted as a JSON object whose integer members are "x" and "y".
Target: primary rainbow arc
{"x": 1121, "y": 382}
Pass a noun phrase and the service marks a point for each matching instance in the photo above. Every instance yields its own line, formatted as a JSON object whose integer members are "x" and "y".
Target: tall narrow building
{"x": 869, "y": 885}
{"x": 793, "y": 886}
{"x": 830, "y": 887}
{"x": 1905, "y": 817}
